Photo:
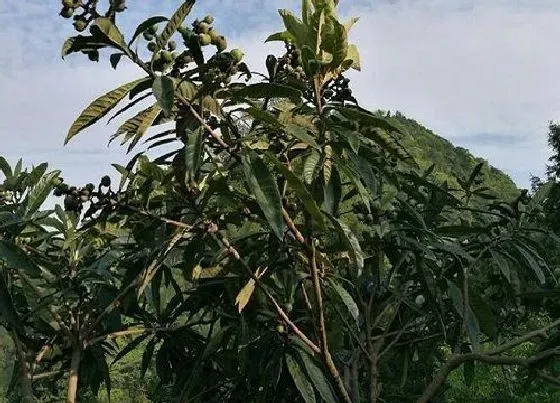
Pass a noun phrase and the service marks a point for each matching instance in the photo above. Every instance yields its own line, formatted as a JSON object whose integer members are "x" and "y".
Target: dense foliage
{"x": 277, "y": 243}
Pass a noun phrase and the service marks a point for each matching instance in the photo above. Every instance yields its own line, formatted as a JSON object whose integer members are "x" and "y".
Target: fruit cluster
{"x": 288, "y": 67}
{"x": 204, "y": 33}
{"x": 71, "y": 8}
{"x": 75, "y": 198}
{"x": 338, "y": 90}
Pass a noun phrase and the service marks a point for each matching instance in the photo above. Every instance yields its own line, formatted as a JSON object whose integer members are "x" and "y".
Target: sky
{"x": 481, "y": 73}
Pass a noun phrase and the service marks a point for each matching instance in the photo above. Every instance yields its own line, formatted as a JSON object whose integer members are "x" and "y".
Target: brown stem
{"x": 128, "y": 332}
{"x": 457, "y": 359}
{"x": 74, "y": 373}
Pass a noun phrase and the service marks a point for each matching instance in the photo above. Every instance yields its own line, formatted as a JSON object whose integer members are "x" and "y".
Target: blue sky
{"x": 481, "y": 73}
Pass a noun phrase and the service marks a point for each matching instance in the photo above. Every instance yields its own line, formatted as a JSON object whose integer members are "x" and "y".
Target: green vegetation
{"x": 291, "y": 247}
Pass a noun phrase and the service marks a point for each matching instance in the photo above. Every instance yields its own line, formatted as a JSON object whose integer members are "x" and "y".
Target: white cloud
{"x": 461, "y": 68}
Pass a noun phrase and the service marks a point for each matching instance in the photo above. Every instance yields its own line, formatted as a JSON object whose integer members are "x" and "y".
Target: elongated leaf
{"x": 307, "y": 11}
{"x": 129, "y": 347}
{"x": 502, "y": 263}
{"x": 7, "y": 311}
{"x": 332, "y": 193}
{"x": 244, "y": 295}
{"x": 15, "y": 258}
{"x": 366, "y": 118}
{"x": 473, "y": 328}
{"x": 36, "y": 174}
{"x": 143, "y": 26}
{"x": 5, "y": 167}
{"x": 310, "y": 166}
{"x": 301, "y": 381}
{"x": 530, "y": 259}
{"x": 295, "y": 27}
{"x": 318, "y": 378}
{"x": 352, "y": 59}
{"x": 335, "y": 41}
{"x": 193, "y": 155}
{"x": 147, "y": 356}
{"x": 175, "y": 22}
{"x": 301, "y": 133}
{"x": 265, "y": 189}
{"x": 281, "y": 37}
{"x": 350, "y": 241}
{"x": 110, "y": 30}
{"x": 268, "y": 90}
{"x": 99, "y": 108}
{"x": 40, "y": 192}
{"x": 483, "y": 313}
{"x": 164, "y": 91}
{"x": 346, "y": 299}
{"x": 300, "y": 190}
{"x": 137, "y": 126}
{"x": 83, "y": 43}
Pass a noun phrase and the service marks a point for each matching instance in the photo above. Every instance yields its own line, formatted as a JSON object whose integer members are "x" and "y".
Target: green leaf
{"x": 303, "y": 385}
{"x": 99, "y": 108}
{"x": 136, "y": 126}
{"x": 8, "y": 312}
{"x": 175, "y": 22}
{"x": 483, "y": 313}
{"x": 281, "y": 37}
{"x": 307, "y": 11}
{"x": 40, "y": 192}
{"x": 36, "y": 174}
{"x": 350, "y": 241}
{"x": 334, "y": 40}
{"x": 268, "y": 90}
{"x": 265, "y": 189}
{"x": 16, "y": 259}
{"x": 502, "y": 263}
{"x": 163, "y": 89}
{"x": 111, "y": 32}
{"x": 244, "y": 295}
{"x": 147, "y": 356}
{"x": 310, "y": 166}
{"x": 5, "y": 167}
{"x": 533, "y": 264}
{"x": 295, "y": 27}
{"x": 332, "y": 193}
{"x": 318, "y": 378}
{"x": 81, "y": 43}
{"x": 473, "y": 329}
{"x": 366, "y": 118}
{"x": 300, "y": 190}
{"x": 193, "y": 154}
{"x": 352, "y": 59}
{"x": 115, "y": 58}
{"x": 300, "y": 133}
{"x": 142, "y": 27}
{"x": 346, "y": 299}
{"x": 129, "y": 347}
{"x": 350, "y": 24}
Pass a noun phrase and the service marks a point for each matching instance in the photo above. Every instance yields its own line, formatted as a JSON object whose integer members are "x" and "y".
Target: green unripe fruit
{"x": 152, "y": 30}
{"x": 148, "y": 36}
{"x": 80, "y": 24}
{"x": 420, "y": 300}
{"x": 222, "y": 44}
{"x": 289, "y": 307}
{"x": 280, "y": 328}
{"x": 69, "y": 3}
{"x": 171, "y": 45}
{"x": 183, "y": 30}
{"x": 203, "y": 28}
{"x": 557, "y": 272}
{"x": 208, "y": 19}
{"x": 204, "y": 39}
{"x": 167, "y": 56}
{"x": 237, "y": 55}
{"x": 215, "y": 35}
{"x": 152, "y": 46}
{"x": 120, "y": 7}
{"x": 66, "y": 12}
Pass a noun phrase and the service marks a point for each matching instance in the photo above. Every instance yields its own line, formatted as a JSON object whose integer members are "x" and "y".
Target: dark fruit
{"x": 152, "y": 46}
{"x": 208, "y": 19}
{"x": 106, "y": 181}
{"x": 80, "y": 24}
{"x": 148, "y": 36}
{"x": 222, "y": 44}
{"x": 153, "y": 29}
{"x": 171, "y": 45}
{"x": 66, "y": 12}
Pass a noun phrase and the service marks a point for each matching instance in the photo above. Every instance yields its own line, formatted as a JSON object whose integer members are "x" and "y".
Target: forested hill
{"x": 427, "y": 148}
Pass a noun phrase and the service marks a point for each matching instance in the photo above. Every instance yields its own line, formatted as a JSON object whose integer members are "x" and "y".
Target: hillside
{"x": 427, "y": 148}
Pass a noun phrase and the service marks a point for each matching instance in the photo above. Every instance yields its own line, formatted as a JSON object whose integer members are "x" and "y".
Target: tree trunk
{"x": 25, "y": 378}
{"x": 74, "y": 371}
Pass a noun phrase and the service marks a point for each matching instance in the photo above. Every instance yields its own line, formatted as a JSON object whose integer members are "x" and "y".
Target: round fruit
{"x": 167, "y": 56}
{"x": 68, "y": 3}
{"x": 289, "y": 307}
{"x": 204, "y": 39}
{"x": 280, "y": 328}
{"x": 66, "y": 12}
{"x": 237, "y": 55}
{"x": 80, "y": 24}
{"x": 222, "y": 44}
{"x": 171, "y": 45}
{"x": 106, "y": 181}
{"x": 152, "y": 30}
{"x": 215, "y": 35}
{"x": 208, "y": 19}
{"x": 152, "y": 46}
{"x": 203, "y": 28}
{"x": 420, "y": 300}
{"x": 148, "y": 36}
{"x": 183, "y": 30}
{"x": 557, "y": 272}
